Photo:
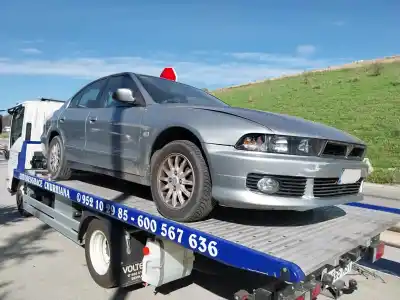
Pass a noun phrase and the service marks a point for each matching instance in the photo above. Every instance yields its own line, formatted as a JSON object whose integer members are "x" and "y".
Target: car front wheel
{"x": 56, "y": 163}
{"x": 181, "y": 183}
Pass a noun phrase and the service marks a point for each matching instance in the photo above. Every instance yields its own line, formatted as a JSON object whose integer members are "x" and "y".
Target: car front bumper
{"x": 305, "y": 182}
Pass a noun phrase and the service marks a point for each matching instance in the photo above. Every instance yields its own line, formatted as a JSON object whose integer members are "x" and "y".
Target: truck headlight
{"x": 280, "y": 144}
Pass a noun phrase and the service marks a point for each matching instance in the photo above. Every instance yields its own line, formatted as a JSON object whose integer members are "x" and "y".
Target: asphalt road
{"x": 38, "y": 263}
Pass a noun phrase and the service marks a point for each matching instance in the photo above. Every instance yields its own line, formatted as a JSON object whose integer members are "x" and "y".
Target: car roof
{"x": 128, "y": 73}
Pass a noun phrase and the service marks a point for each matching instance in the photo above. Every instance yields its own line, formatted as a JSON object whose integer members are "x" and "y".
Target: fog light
{"x": 268, "y": 185}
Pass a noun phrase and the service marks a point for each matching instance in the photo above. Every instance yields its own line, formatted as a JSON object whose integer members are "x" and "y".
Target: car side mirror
{"x": 124, "y": 95}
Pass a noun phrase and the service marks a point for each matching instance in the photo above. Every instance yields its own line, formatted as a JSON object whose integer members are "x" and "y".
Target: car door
{"x": 72, "y": 121}
{"x": 113, "y": 131}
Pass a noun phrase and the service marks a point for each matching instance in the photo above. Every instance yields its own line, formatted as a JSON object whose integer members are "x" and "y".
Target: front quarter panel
{"x": 209, "y": 126}
{"x": 49, "y": 127}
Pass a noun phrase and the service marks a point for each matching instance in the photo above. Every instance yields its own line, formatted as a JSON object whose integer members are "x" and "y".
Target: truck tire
{"x": 184, "y": 194}
{"x": 20, "y": 201}
{"x": 57, "y": 164}
{"x": 103, "y": 267}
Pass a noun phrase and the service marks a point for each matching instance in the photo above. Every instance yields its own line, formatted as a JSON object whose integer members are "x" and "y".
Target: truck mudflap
{"x": 132, "y": 258}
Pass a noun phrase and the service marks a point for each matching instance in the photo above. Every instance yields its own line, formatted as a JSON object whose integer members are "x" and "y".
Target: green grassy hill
{"x": 362, "y": 99}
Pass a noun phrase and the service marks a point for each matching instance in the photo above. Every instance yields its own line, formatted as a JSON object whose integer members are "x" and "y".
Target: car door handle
{"x": 92, "y": 119}
{"x": 62, "y": 119}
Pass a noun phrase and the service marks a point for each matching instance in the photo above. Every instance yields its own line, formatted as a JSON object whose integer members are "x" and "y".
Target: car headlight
{"x": 280, "y": 144}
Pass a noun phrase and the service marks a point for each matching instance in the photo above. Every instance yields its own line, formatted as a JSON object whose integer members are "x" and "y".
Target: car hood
{"x": 282, "y": 124}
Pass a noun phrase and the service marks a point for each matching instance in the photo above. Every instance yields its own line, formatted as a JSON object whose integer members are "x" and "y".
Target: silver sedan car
{"x": 195, "y": 151}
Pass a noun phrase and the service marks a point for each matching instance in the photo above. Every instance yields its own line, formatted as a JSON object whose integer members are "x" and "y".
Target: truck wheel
{"x": 20, "y": 201}
{"x": 102, "y": 254}
{"x": 181, "y": 183}
{"x": 57, "y": 163}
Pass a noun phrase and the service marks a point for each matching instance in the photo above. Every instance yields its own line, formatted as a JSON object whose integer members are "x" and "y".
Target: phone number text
{"x": 194, "y": 241}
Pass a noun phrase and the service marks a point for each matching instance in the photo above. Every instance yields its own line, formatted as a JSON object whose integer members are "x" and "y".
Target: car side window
{"x": 74, "y": 101}
{"x": 117, "y": 82}
{"x": 89, "y": 97}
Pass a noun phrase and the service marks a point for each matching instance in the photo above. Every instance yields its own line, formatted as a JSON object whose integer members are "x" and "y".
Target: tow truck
{"x": 127, "y": 242}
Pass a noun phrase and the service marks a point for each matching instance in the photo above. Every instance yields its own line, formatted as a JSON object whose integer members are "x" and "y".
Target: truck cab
{"x": 27, "y": 121}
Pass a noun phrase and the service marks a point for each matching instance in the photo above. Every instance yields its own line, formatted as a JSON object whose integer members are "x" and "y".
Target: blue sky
{"x": 51, "y": 48}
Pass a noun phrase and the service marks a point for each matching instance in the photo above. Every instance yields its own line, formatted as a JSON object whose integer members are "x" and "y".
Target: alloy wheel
{"x": 175, "y": 180}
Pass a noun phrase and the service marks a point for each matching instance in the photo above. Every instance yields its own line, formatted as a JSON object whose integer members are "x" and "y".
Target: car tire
{"x": 103, "y": 273}
{"x": 61, "y": 171}
{"x": 200, "y": 202}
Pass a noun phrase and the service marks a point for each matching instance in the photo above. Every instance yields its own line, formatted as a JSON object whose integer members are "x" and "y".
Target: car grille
{"x": 289, "y": 186}
{"x": 294, "y": 186}
{"x": 328, "y": 187}
{"x": 343, "y": 150}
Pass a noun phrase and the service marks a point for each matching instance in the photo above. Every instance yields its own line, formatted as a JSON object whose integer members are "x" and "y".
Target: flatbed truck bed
{"x": 288, "y": 246}
{"x": 302, "y": 242}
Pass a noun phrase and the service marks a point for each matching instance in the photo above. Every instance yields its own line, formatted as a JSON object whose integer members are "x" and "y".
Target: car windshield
{"x": 164, "y": 91}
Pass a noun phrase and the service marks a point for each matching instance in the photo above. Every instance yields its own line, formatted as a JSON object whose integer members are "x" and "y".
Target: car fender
{"x": 54, "y": 129}
{"x": 211, "y": 127}
{"x": 208, "y": 127}
{"x": 154, "y": 133}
